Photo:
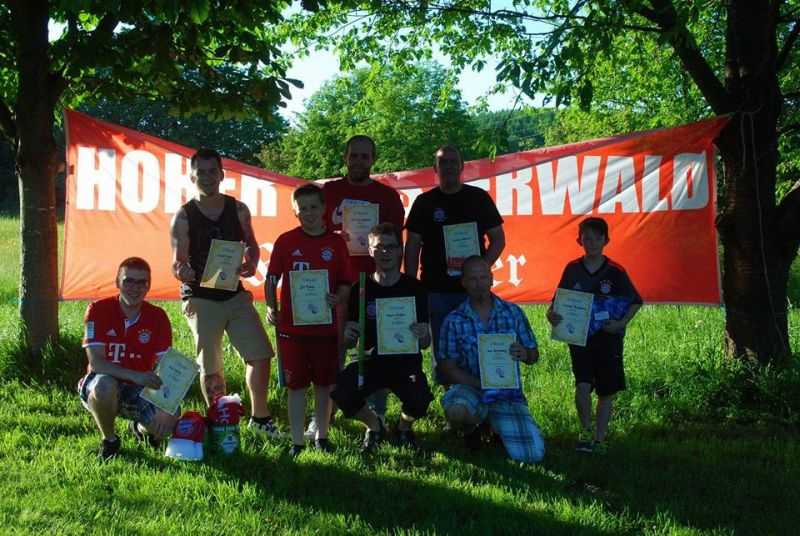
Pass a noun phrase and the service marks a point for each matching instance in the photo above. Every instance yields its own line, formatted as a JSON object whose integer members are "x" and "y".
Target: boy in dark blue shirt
{"x": 598, "y": 365}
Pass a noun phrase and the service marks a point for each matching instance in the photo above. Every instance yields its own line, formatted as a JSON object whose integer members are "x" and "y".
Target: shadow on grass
{"x": 388, "y": 501}
{"x": 701, "y": 478}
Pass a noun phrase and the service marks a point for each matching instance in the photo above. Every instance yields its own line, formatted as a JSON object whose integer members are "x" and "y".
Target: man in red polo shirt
{"x": 124, "y": 337}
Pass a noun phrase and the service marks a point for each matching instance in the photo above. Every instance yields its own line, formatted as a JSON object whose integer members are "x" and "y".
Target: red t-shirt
{"x": 134, "y": 346}
{"x": 297, "y": 250}
{"x": 340, "y": 193}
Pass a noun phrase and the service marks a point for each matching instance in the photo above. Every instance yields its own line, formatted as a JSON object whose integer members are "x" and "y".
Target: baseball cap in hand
{"x": 186, "y": 442}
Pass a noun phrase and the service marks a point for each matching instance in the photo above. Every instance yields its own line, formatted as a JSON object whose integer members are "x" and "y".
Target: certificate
{"x": 177, "y": 373}
{"x": 222, "y": 265}
{"x": 498, "y": 369}
{"x": 460, "y": 242}
{"x": 309, "y": 298}
{"x": 357, "y": 221}
{"x": 394, "y": 319}
{"x": 575, "y": 308}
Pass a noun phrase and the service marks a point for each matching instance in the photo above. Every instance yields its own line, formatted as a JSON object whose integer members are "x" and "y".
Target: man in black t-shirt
{"x": 467, "y": 215}
{"x": 393, "y": 359}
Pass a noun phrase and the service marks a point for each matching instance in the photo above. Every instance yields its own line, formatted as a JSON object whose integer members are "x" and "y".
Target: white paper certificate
{"x": 460, "y": 242}
{"x": 394, "y": 319}
{"x": 309, "y": 297}
{"x": 177, "y": 373}
{"x": 222, "y": 265}
{"x": 575, "y": 308}
{"x": 498, "y": 369}
{"x": 357, "y": 221}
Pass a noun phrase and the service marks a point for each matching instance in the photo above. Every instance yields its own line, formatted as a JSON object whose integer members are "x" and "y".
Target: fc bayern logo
{"x": 327, "y": 254}
{"x": 371, "y": 310}
{"x": 439, "y": 215}
{"x": 144, "y": 336}
{"x": 605, "y": 287}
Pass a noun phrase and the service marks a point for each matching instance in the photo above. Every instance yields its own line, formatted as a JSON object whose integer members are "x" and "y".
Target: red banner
{"x": 655, "y": 189}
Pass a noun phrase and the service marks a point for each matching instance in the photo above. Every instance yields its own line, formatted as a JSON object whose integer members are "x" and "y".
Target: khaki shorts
{"x": 208, "y": 319}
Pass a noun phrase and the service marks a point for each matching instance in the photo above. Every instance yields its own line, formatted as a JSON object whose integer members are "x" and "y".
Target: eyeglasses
{"x": 381, "y": 248}
{"x": 133, "y": 282}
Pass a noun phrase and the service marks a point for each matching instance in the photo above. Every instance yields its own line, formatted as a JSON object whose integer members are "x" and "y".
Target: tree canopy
{"x": 407, "y": 112}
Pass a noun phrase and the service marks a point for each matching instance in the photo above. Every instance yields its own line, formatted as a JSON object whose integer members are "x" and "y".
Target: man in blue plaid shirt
{"x": 466, "y": 404}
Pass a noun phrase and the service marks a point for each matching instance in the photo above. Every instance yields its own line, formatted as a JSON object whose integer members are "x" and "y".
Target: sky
{"x": 319, "y": 67}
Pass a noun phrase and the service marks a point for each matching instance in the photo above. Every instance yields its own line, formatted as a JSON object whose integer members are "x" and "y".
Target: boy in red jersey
{"x": 309, "y": 352}
{"x": 598, "y": 365}
{"x": 124, "y": 337}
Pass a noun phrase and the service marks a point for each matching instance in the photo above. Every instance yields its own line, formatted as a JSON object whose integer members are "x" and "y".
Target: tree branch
{"x": 787, "y": 129}
{"x": 665, "y": 17}
{"x": 791, "y": 39}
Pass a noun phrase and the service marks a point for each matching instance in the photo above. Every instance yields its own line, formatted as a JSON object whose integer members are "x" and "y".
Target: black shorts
{"x": 401, "y": 375}
{"x": 599, "y": 363}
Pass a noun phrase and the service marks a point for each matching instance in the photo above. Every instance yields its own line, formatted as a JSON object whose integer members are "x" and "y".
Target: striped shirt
{"x": 458, "y": 338}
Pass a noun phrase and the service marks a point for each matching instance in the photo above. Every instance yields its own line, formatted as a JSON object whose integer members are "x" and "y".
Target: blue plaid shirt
{"x": 458, "y": 338}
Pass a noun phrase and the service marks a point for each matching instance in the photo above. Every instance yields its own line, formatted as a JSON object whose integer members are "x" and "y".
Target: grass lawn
{"x": 699, "y": 445}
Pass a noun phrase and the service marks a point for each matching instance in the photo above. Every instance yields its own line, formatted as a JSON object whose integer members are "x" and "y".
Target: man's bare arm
{"x": 497, "y": 241}
{"x": 179, "y": 234}
{"x": 99, "y": 365}
{"x": 454, "y": 375}
{"x": 411, "y": 254}
{"x": 252, "y": 250}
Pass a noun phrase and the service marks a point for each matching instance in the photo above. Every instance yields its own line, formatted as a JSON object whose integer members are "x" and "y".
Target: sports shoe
{"x": 584, "y": 443}
{"x": 406, "y": 438}
{"x": 324, "y": 445}
{"x": 108, "y": 449}
{"x": 473, "y": 440}
{"x": 311, "y": 432}
{"x": 373, "y": 439}
{"x": 600, "y": 448}
{"x": 295, "y": 451}
{"x": 143, "y": 437}
{"x": 265, "y": 427}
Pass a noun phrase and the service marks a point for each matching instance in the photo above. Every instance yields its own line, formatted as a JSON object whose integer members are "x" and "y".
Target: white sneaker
{"x": 268, "y": 429}
{"x": 311, "y": 432}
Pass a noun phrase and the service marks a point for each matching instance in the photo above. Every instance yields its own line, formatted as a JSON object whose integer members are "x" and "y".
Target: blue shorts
{"x": 131, "y": 405}
{"x": 512, "y": 421}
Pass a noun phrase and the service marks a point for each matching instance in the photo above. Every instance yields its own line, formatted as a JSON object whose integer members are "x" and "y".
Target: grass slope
{"x": 699, "y": 445}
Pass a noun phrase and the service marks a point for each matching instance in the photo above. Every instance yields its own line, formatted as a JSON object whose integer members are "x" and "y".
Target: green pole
{"x": 362, "y": 324}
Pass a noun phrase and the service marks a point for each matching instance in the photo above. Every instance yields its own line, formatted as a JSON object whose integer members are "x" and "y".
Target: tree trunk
{"x": 756, "y": 256}
{"x": 36, "y": 171}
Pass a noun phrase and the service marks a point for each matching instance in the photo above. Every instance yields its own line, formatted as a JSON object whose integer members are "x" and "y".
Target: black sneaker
{"x": 473, "y": 440}
{"x": 295, "y": 451}
{"x": 373, "y": 439}
{"x": 406, "y": 438}
{"x": 108, "y": 448}
{"x": 324, "y": 445}
{"x": 143, "y": 437}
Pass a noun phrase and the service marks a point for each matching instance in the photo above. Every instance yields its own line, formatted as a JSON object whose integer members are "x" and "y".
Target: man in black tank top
{"x": 210, "y": 312}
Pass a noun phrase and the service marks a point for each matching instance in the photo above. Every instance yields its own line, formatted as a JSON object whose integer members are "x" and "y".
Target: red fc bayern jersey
{"x": 296, "y": 250}
{"x": 340, "y": 193}
{"x": 135, "y": 346}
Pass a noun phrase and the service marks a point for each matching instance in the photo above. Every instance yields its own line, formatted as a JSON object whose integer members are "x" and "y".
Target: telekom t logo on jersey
{"x": 116, "y": 351}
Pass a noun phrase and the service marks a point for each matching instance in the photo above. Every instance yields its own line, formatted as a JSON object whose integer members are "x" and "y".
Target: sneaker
{"x": 324, "y": 445}
{"x": 295, "y": 451}
{"x": 372, "y": 439}
{"x": 265, "y": 427}
{"x": 473, "y": 439}
{"x": 311, "y": 432}
{"x": 143, "y": 437}
{"x": 584, "y": 443}
{"x": 108, "y": 448}
{"x": 406, "y": 438}
{"x": 600, "y": 448}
